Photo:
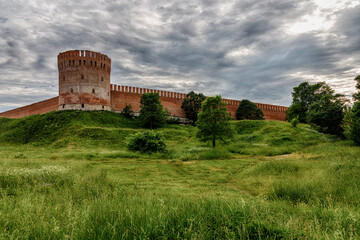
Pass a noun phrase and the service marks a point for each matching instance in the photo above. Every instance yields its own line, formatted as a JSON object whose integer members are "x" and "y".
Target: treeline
{"x": 318, "y": 105}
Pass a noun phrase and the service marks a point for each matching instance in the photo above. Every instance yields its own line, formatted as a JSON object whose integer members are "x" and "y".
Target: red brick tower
{"x": 84, "y": 80}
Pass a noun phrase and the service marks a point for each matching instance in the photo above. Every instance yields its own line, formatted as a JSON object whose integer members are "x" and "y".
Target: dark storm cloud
{"x": 239, "y": 49}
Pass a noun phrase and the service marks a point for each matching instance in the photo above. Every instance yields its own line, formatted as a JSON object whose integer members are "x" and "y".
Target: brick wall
{"x": 122, "y": 95}
{"x": 32, "y": 109}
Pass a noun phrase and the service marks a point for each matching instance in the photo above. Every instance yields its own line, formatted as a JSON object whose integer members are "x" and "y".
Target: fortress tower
{"x": 84, "y": 80}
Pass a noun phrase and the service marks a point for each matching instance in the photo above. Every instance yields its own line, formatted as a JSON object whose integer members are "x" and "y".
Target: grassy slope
{"x": 68, "y": 174}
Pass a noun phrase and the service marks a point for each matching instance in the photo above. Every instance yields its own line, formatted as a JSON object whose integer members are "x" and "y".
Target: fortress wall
{"x": 122, "y": 95}
{"x": 32, "y": 109}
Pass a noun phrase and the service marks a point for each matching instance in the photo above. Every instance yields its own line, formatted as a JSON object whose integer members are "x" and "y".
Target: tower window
{"x": 69, "y": 63}
{"x": 73, "y": 62}
{"x": 82, "y": 76}
{"x": 63, "y": 78}
{"x": 95, "y": 63}
{"x": 82, "y": 105}
{"x": 102, "y": 79}
{"x": 93, "y": 90}
{"x": 84, "y": 62}
{"x": 71, "y": 90}
{"x": 102, "y": 106}
{"x": 63, "y": 105}
{"x": 91, "y": 62}
{"x": 79, "y": 62}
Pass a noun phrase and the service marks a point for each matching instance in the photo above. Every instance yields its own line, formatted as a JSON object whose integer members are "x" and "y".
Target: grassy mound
{"x": 57, "y": 126}
{"x": 110, "y": 130}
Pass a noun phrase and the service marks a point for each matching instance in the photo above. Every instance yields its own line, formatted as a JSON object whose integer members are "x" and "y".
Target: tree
{"x": 303, "y": 96}
{"x": 298, "y": 111}
{"x": 327, "y": 114}
{"x": 357, "y": 95}
{"x": 127, "y": 111}
{"x": 248, "y": 110}
{"x": 355, "y": 123}
{"x": 152, "y": 114}
{"x": 355, "y": 114}
{"x": 213, "y": 121}
{"x": 192, "y": 105}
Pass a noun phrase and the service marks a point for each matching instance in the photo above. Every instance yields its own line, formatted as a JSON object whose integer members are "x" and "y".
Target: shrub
{"x": 295, "y": 121}
{"x": 147, "y": 142}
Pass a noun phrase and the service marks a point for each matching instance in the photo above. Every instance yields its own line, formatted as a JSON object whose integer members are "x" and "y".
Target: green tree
{"x": 249, "y": 110}
{"x": 213, "y": 121}
{"x": 303, "y": 96}
{"x": 355, "y": 123}
{"x": 357, "y": 95}
{"x": 192, "y": 105}
{"x": 127, "y": 111}
{"x": 152, "y": 114}
{"x": 355, "y": 114}
{"x": 296, "y": 110}
{"x": 327, "y": 114}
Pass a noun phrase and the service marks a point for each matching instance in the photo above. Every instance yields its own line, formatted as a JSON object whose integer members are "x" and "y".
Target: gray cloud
{"x": 239, "y": 49}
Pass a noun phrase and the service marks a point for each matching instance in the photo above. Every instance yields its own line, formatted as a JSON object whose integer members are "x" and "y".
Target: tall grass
{"x": 68, "y": 175}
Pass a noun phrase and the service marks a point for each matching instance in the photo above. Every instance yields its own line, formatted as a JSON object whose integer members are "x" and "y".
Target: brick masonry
{"x": 84, "y": 84}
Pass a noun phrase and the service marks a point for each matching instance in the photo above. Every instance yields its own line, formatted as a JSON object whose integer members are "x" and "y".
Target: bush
{"x": 295, "y": 121}
{"x": 147, "y": 142}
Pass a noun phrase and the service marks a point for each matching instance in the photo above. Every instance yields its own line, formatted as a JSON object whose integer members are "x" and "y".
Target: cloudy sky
{"x": 253, "y": 49}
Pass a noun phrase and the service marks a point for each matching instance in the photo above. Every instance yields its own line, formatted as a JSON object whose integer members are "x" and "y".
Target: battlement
{"x": 84, "y": 58}
{"x": 137, "y": 90}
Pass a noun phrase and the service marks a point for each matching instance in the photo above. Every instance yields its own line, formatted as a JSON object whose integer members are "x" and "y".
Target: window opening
{"x": 71, "y": 90}
{"x": 63, "y": 105}
{"x": 93, "y": 90}
{"x": 82, "y": 76}
{"x": 82, "y": 105}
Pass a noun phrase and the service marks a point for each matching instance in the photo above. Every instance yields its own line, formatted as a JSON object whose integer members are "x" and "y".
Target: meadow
{"x": 69, "y": 175}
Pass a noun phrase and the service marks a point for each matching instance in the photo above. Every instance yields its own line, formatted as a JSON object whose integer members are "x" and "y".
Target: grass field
{"x": 69, "y": 175}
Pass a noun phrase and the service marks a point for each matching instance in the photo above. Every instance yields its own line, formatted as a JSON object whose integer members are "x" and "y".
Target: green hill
{"x": 110, "y": 130}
